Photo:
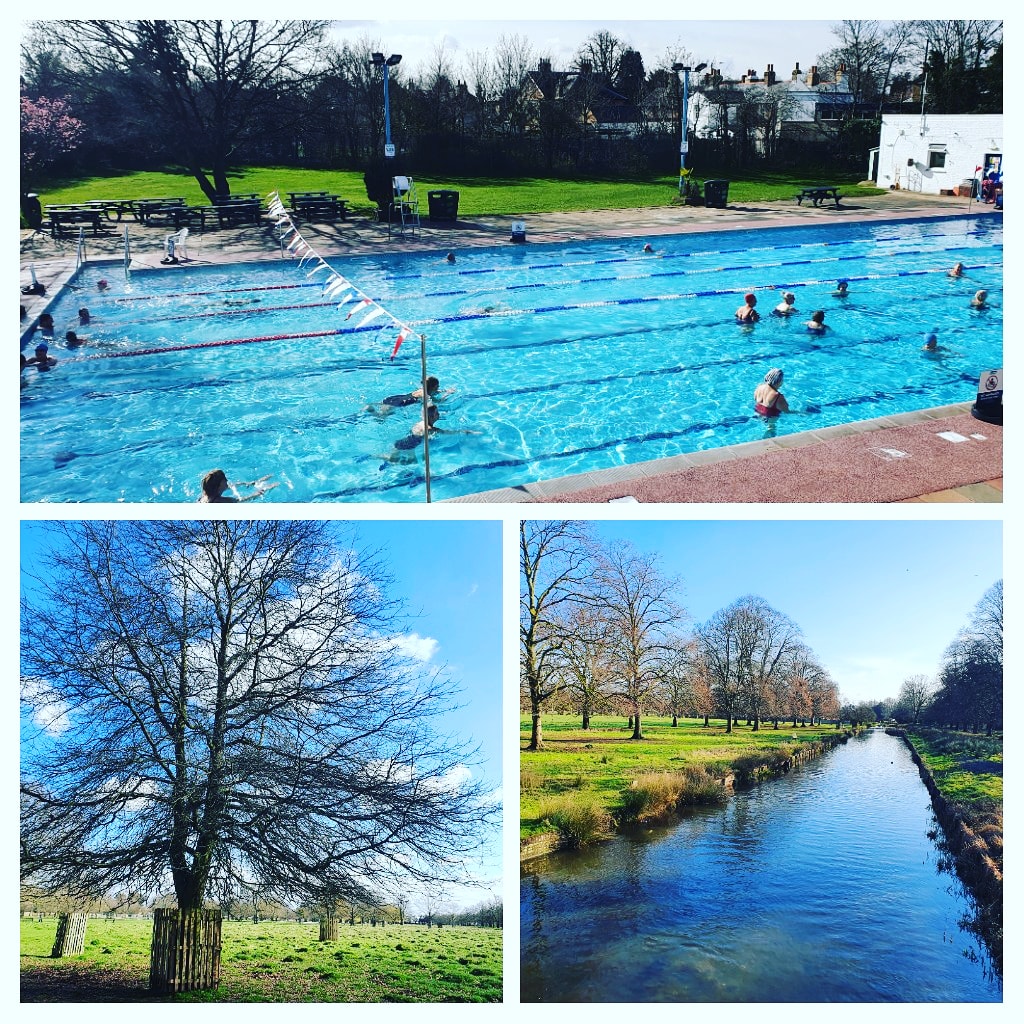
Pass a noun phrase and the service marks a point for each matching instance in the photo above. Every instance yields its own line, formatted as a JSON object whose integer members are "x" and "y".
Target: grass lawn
{"x": 477, "y": 196}
{"x": 601, "y": 762}
{"x": 967, "y": 767}
{"x": 278, "y": 962}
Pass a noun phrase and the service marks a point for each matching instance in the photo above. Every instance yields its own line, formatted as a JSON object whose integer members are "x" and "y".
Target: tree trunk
{"x": 70, "y": 939}
{"x": 186, "y": 950}
{"x": 675, "y": 721}
{"x": 586, "y": 719}
{"x": 328, "y": 927}
{"x": 707, "y": 722}
{"x": 637, "y": 733}
{"x": 536, "y": 732}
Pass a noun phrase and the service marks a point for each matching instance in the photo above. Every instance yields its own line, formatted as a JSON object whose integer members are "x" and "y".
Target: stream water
{"x": 821, "y": 886}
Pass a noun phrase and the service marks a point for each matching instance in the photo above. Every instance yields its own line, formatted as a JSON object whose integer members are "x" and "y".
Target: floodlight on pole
{"x": 684, "y": 118}
{"x": 378, "y": 60}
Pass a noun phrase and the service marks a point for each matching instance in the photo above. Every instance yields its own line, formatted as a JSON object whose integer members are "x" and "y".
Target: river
{"x": 820, "y": 886}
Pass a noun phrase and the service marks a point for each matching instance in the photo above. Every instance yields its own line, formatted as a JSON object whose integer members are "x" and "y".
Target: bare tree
{"x": 222, "y": 708}
{"x": 207, "y": 82}
{"x": 584, "y": 661}
{"x": 554, "y": 562}
{"x": 640, "y": 607}
{"x": 915, "y": 695}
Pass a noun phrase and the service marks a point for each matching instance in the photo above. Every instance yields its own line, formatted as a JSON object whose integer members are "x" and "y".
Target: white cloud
{"x": 50, "y": 713}
{"x": 416, "y": 647}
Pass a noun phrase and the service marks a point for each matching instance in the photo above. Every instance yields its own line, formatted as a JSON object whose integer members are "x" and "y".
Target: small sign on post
{"x": 389, "y": 149}
{"x": 988, "y": 406}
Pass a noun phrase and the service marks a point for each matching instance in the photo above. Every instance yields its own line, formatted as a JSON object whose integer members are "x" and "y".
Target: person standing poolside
{"x": 215, "y": 483}
{"x": 747, "y": 313}
{"x": 768, "y": 399}
{"x": 786, "y": 307}
{"x": 817, "y": 321}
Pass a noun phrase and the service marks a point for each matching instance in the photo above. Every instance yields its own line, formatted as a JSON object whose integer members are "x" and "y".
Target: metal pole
{"x": 387, "y": 115}
{"x": 682, "y": 140}
{"x": 426, "y": 406}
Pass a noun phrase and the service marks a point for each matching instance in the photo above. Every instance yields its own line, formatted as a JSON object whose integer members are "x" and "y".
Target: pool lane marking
{"x": 217, "y": 291}
{"x": 704, "y": 252}
{"x": 464, "y": 317}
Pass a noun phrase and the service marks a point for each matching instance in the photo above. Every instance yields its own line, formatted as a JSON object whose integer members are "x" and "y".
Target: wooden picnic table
{"x": 144, "y": 208}
{"x": 114, "y": 209}
{"x": 64, "y": 215}
{"x": 314, "y": 205}
{"x": 230, "y": 210}
{"x": 818, "y": 194}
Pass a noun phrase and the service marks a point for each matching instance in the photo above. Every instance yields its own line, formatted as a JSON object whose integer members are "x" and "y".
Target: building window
{"x": 936, "y": 157}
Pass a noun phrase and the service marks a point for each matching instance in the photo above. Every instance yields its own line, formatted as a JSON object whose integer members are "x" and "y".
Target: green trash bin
{"x": 443, "y": 204}
{"x": 716, "y": 193}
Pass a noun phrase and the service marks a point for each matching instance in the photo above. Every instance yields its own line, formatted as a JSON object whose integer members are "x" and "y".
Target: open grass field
{"x": 477, "y": 196}
{"x": 275, "y": 962}
{"x": 967, "y": 767}
{"x": 600, "y": 764}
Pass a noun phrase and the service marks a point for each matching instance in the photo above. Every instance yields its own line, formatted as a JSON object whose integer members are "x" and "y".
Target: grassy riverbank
{"x": 275, "y": 962}
{"x": 964, "y": 775}
{"x": 586, "y": 783}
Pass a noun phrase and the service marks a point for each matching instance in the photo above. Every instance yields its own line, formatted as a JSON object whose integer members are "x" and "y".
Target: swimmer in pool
{"x": 42, "y": 360}
{"x": 404, "y": 449}
{"x": 74, "y": 340}
{"x": 215, "y": 484}
{"x": 45, "y": 323}
{"x": 817, "y": 321}
{"x": 450, "y": 257}
{"x": 786, "y": 307}
{"x": 83, "y": 317}
{"x": 393, "y": 402}
{"x": 980, "y": 300}
{"x": 957, "y": 271}
{"x": 842, "y": 289}
{"x": 747, "y": 314}
{"x": 768, "y": 399}
{"x": 648, "y": 247}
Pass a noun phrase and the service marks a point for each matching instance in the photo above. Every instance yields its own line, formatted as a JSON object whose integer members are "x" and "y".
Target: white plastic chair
{"x": 174, "y": 245}
{"x": 404, "y": 203}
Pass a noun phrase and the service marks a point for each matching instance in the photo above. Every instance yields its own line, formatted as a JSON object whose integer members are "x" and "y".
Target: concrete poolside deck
{"x": 841, "y": 464}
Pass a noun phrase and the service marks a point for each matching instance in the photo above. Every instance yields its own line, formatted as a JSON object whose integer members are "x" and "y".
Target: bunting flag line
{"x": 336, "y": 286}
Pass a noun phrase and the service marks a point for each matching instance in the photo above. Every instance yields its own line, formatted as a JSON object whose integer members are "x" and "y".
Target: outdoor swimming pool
{"x": 563, "y": 359}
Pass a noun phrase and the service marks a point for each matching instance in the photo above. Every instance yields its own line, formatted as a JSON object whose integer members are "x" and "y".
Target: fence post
{"x": 328, "y": 927}
{"x": 70, "y": 939}
{"x": 186, "y": 950}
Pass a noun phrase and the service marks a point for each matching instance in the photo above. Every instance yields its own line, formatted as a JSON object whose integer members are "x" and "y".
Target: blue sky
{"x": 448, "y": 574}
{"x": 877, "y": 600}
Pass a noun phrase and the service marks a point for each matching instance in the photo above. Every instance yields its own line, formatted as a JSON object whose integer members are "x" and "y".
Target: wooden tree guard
{"x": 186, "y": 950}
{"x": 70, "y": 939}
{"x": 328, "y": 928}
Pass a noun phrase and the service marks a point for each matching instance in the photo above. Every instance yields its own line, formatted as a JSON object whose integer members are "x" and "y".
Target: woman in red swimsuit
{"x": 768, "y": 399}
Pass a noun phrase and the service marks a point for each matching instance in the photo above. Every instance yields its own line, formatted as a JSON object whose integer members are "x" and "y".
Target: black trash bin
{"x": 716, "y": 193}
{"x": 443, "y": 204}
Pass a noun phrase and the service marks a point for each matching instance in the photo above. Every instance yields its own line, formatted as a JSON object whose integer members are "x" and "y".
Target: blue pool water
{"x": 563, "y": 359}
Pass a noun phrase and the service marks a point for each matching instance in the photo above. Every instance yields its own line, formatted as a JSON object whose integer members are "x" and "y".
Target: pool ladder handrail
{"x": 127, "y": 255}
{"x": 80, "y": 257}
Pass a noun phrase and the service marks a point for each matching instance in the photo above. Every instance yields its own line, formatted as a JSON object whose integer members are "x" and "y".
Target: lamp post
{"x": 683, "y": 118}
{"x": 378, "y": 60}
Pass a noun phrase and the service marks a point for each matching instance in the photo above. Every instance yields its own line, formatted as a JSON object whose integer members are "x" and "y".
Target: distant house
{"x": 803, "y": 105}
{"x": 582, "y": 96}
{"x": 936, "y": 153}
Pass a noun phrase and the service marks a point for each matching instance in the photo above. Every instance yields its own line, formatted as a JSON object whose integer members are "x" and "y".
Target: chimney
{"x": 585, "y": 67}
{"x": 544, "y": 67}
{"x": 812, "y": 75}
{"x": 796, "y": 72}
{"x": 769, "y": 74}
{"x": 840, "y": 73}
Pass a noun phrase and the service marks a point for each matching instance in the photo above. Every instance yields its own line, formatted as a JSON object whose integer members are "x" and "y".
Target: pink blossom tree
{"x": 48, "y": 131}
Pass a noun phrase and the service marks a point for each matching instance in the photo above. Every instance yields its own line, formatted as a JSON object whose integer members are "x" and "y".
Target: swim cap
{"x": 749, "y": 297}
{"x": 773, "y": 378}
{"x": 42, "y": 347}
